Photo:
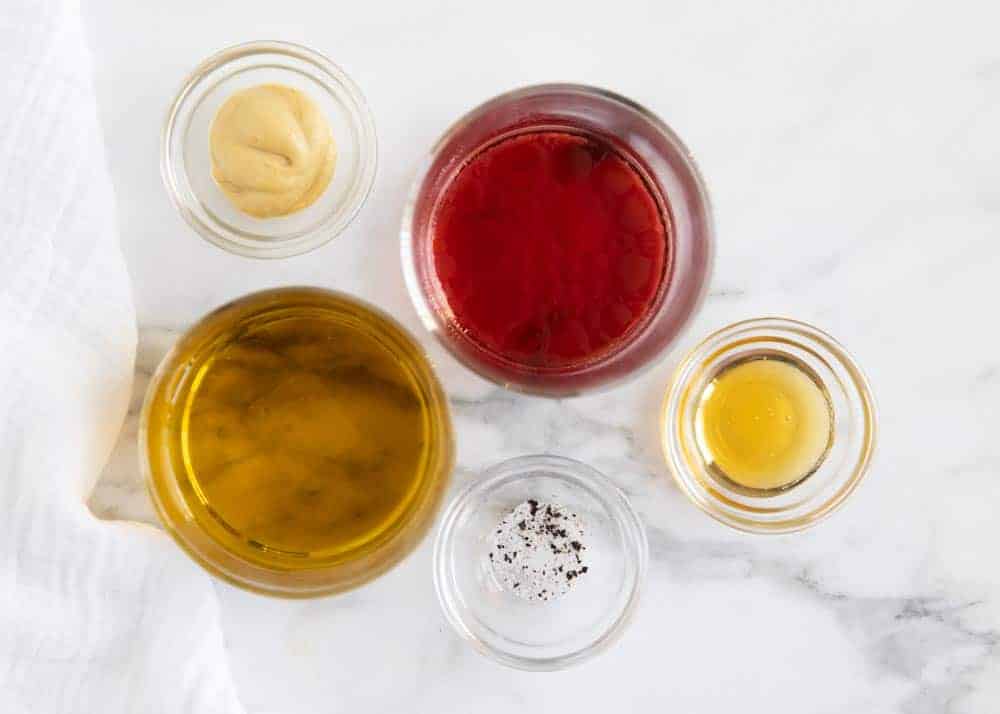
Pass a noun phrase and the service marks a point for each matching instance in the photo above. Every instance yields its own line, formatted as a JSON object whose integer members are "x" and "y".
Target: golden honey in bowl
{"x": 297, "y": 430}
{"x": 764, "y": 423}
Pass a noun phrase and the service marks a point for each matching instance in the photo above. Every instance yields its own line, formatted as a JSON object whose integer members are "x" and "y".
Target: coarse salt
{"x": 537, "y": 551}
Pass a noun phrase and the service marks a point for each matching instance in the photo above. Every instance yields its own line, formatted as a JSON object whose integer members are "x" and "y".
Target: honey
{"x": 300, "y": 428}
{"x": 764, "y": 423}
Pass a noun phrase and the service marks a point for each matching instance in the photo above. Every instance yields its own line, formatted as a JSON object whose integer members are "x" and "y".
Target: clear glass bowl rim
{"x": 689, "y": 484}
{"x": 417, "y": 526}
{"x": 570, "y": 470}
{"x": 420, "y": 300}
{"x": 334, "y": 224}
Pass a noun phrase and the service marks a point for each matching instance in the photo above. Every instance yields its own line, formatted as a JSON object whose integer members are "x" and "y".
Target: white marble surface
{"x": 853, "y": 154}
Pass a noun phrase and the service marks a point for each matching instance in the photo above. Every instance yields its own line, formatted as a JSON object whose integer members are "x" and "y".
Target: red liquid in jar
{"x": 549, "y": 248}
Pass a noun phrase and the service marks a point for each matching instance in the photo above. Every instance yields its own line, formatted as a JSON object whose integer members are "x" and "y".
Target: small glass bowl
{"x": 657, "y": 154}
{"x": 186, "y": 166}
{"x": 853, "y": 438}
{"x": 540, "y": 635}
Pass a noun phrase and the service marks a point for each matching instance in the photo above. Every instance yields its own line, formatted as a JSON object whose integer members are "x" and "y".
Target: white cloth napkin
{"x": 94, "y": 616}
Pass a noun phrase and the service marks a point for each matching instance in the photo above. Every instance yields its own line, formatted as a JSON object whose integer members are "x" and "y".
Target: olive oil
{"x": 301, "y": 429}
{"x": 764, "y": 423}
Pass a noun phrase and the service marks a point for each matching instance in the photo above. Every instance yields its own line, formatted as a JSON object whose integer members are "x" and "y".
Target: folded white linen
{"x": 94, "y": 616}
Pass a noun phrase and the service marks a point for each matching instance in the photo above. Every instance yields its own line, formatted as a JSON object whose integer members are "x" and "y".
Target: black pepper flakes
{"x": 541, "y": 545}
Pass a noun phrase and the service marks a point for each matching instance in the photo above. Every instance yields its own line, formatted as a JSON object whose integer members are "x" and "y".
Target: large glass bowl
{"x": 173, "y": 479}
{"x": 656, "y": 153}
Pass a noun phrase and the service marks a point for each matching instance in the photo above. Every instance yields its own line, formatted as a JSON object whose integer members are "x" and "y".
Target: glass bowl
{"x": 560, "y": 632}
{"x": 656, "y": 153}
{"x": 186, "y": 166}
{"x": 808, "y": 501}
{"x": 179, "y": 490}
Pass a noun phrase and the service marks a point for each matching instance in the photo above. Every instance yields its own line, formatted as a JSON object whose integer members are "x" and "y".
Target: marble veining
{"x": 930, "y": 641}
{"x": 120, "y": 494}
{"x": 851, "y": 152}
